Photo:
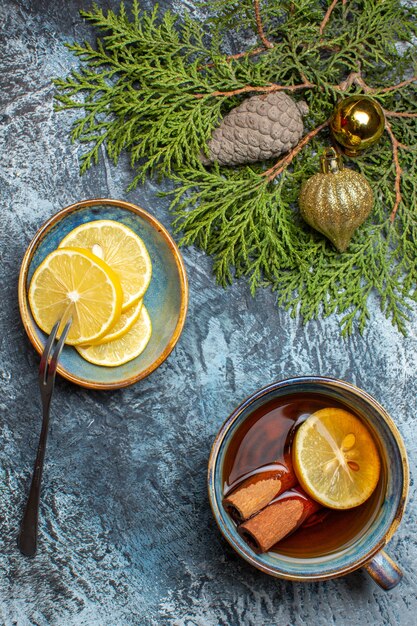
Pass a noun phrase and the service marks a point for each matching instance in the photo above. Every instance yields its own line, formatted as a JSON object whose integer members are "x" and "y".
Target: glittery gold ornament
{"x": 357, "y": 123}
{"x": 336, "y": 201}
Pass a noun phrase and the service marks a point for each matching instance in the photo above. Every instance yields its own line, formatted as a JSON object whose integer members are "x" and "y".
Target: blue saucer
{"x": 166, "y": 298}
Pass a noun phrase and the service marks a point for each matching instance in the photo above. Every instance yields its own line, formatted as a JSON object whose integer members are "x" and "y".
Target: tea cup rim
{"x": 236, "y": 414}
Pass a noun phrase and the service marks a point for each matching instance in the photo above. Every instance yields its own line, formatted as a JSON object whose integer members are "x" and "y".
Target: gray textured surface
{"x": 126, "y": 533}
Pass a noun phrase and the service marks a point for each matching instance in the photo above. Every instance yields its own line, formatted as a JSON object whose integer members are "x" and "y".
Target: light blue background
{"x": 126, "y": 532}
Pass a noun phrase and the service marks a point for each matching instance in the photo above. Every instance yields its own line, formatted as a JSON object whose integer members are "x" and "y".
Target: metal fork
{"x": 27, "y": 539}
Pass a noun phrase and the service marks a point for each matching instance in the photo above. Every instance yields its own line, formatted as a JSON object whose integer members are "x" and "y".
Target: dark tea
{"x": 262, "y": 445}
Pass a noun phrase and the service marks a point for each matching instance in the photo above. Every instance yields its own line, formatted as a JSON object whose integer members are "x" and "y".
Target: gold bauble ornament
{"x": 357, "y": 123}
{"x": 336, "y": 201}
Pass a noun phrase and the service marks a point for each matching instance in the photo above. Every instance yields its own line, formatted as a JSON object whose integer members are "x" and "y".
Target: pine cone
{"x": 260, "y": 128}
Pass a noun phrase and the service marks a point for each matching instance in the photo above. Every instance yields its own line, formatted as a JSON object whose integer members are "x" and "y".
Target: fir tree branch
{"x": 327, "y": 16}
{"x": 354, "y": 78}
{"x": 235, "y": 57}
{"x": 266, "y": 44}
{"x": 256, "y": 89}
{"x": 400, "y": 114}
{"x": 259, "y": 25}
{"x": 156, "y": 86}
{"x": 403, "y": 83}
{"x": 283, "y": 163}
{"x": 398, "y": 170}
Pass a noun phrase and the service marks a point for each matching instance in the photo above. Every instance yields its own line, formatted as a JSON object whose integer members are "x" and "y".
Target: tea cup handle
{"x": 384, "y": 571}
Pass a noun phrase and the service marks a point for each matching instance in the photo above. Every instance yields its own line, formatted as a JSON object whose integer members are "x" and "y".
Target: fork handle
{"x": 28, "y": 536}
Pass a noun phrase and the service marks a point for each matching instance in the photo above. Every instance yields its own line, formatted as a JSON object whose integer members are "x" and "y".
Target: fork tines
{"x": 50, "y": 355}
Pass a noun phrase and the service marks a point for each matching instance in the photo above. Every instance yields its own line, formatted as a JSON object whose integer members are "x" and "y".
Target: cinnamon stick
{"x": 277, "y": 520}
{"x": 256, "y": 491}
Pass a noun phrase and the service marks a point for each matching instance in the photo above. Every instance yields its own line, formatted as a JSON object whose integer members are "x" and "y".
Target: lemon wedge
{"x": 336, "y": 459}
{"x": 74, "y": 283}
{"x": 124, "y": 349}
{"x": 121, "y": 249}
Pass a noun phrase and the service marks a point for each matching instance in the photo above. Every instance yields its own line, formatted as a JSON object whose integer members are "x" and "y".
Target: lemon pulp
{"x": 124, "y": 349}
{"x": 122, "y": 249}
{"x": 73, "y": 283}
{"x": 123, "y": 324}
{"x": 336, "y": 459}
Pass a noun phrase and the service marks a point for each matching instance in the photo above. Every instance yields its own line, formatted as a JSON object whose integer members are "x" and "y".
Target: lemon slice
{"x": 336, "y": 459}
{"x": 124, "y": 349}
{"x": 74, "y": 283}
{"x": 119, "y": 247}
{"x": 122, "y": 326}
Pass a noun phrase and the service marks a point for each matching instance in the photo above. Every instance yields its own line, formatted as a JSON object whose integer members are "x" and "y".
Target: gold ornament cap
{"x": 331, "y": 162}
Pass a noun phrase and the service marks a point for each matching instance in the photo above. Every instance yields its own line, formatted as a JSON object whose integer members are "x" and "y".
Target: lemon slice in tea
{"x": 124, "y": 349}
{"x": 336, "y": 459}
{"x": 121, "y": 249}
{"x": 74, "y": 283}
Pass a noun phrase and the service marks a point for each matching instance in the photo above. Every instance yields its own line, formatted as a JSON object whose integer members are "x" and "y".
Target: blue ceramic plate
{"x": 166, "y": 298}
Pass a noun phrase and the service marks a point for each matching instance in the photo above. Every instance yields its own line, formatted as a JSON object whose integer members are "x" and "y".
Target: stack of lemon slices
{"x": 97, "y": 276}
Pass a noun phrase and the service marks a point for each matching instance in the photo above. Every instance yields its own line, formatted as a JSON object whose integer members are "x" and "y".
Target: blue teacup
{"x": 367, "y": 550}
